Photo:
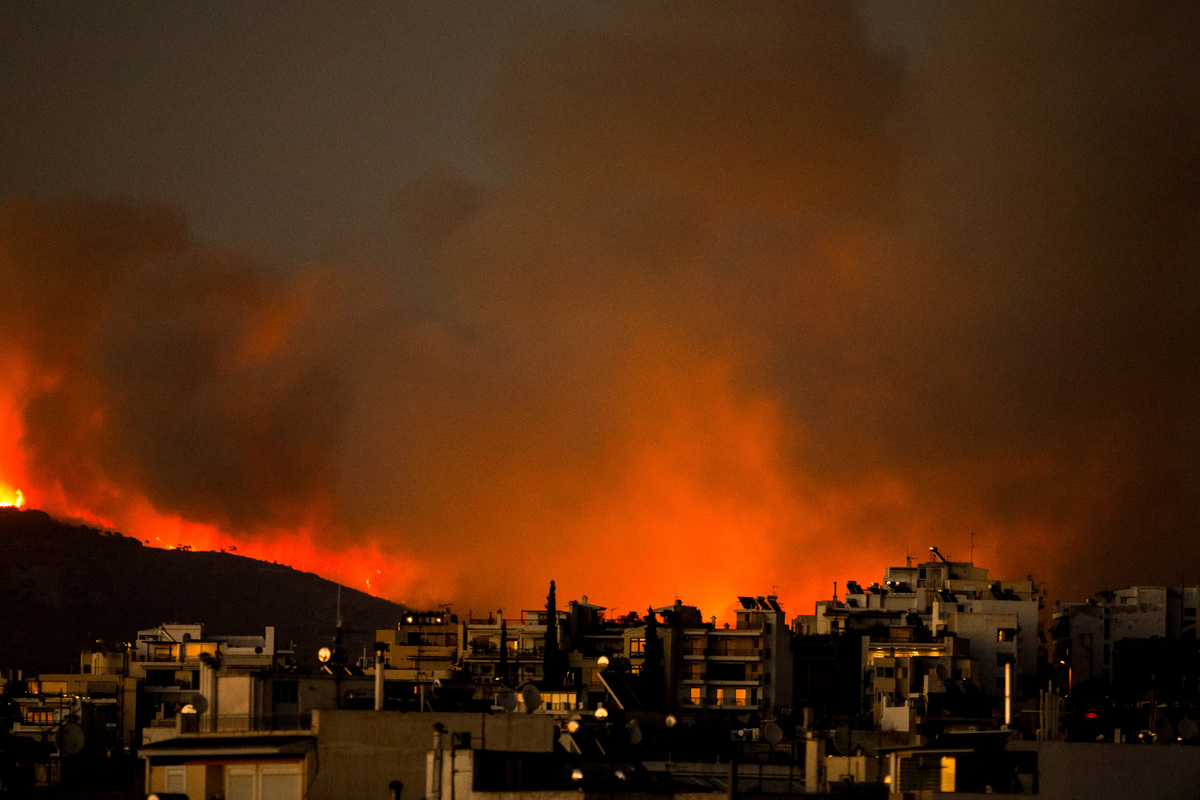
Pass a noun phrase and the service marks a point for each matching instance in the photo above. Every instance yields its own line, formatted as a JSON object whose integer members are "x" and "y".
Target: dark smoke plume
{"x": 743, "y": 302}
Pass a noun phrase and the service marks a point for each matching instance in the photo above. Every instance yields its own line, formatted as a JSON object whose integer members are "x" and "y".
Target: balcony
{"x": 729, "y": 653}
{"x": 492, "y": 653}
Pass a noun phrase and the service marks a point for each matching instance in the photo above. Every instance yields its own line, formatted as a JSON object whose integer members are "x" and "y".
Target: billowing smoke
{"x": 743, "y": 303}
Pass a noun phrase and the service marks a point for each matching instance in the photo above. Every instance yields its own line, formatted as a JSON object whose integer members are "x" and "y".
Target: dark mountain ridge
{"x": 64, "y": 586}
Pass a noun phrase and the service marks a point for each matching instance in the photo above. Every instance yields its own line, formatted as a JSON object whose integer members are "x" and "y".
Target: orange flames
{"x": 12, "y": 472}
{"x": 652, "y": 466}
{"x": 364, "y": 567}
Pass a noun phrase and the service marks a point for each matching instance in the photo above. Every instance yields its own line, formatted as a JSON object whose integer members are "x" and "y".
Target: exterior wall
{"x": 1085, "y": 633}
{"x": 743, "y": 669}
{"x": 479, "y": 645}
{"x": 1079, "y": 641}
{"x": 234, "y": 702}
{"x": 205, "y": 778}
{"x": 422, "y": 647}
{"x": 933, "y": 612}
{"x": 897, "y": 669}
{"x": 1099, "y": 771}
{"x": 457, "y": 781}
{"x": 111, "y": 697}
{"x": 361, "y": 752}
{"x": 1139, "y": 612}
{"x": 981, "y": 623}
{"x": 1081, "y": 771}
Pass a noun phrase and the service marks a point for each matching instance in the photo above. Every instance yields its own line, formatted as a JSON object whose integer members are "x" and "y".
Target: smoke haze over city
{"x": 655, "y": 300}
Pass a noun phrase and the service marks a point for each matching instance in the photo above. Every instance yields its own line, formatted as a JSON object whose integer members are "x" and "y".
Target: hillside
{"x": 64, "y": 586}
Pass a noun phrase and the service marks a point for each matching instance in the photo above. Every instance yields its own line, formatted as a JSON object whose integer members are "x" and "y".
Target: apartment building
{"x": 744, "y": 670}
{"x": 1086, "y": 634}
{"x": 932, "y": 632}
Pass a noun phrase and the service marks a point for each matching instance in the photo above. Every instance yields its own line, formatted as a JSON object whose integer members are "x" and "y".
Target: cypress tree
{"x": 553, "y": 663}
{"x": 652, "y": 666}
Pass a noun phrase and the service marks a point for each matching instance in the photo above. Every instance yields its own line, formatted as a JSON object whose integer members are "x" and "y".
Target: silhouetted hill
{"x": 64, "y": 586}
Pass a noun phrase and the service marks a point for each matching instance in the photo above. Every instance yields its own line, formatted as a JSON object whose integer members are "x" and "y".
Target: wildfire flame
{"x": 11, "y": 498}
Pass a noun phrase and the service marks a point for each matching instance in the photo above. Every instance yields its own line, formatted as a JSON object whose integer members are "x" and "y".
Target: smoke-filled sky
{"x": 653, "y": 299}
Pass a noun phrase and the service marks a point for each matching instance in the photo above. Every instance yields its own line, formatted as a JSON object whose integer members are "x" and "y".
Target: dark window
{"x": 721, "y": 671}
{"x": 285, "y": 692}
{"x": 160, "y": 677}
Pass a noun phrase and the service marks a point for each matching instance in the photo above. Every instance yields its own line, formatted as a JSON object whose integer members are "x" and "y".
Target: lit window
{"x": 739, "y": 697}
{"x": 39, "y": 716}
{"x": 694, "y": 696}
{"x": 637, "y": 646}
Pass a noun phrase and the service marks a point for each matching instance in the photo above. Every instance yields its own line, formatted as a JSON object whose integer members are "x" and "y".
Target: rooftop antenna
{"x": 339, "y": 607}
{"x": 972, "y": 547}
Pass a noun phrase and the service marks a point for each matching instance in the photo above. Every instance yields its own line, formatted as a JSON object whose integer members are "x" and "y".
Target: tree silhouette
{"x": 652, "y": 666}
{"x": 554, "y": 666}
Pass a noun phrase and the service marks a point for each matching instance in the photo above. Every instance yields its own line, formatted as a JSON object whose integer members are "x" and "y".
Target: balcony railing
{"x": 493, "y": 652}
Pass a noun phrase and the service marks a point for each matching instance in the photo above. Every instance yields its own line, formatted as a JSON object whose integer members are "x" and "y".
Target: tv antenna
{"x": 339, "y": 606}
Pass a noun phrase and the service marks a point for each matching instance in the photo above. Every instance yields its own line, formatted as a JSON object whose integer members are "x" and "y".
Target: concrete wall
{"x": 1070, "y": 770}
{"x": 233, "y": 702}
{"x": 1082, "y": 771}
{"x": 359, "y": 753}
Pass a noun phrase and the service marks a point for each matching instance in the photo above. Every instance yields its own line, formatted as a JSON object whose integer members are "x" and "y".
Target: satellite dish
{"x": 198, "y": 703}
{"x": 635, "y": 732}
{"x": 70, "y": 738}
{"x": 943, "y": 672}
{"x": 532, "y": 697}
{"x": 508, "y": 701}
{"x": 1164, "y": 731}
{"x": 1188, "y": 728}
{"x": 773, "y": 733}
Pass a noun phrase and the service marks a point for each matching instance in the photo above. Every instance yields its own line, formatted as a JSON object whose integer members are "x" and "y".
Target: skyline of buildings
{"x": 935, "y": 651}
